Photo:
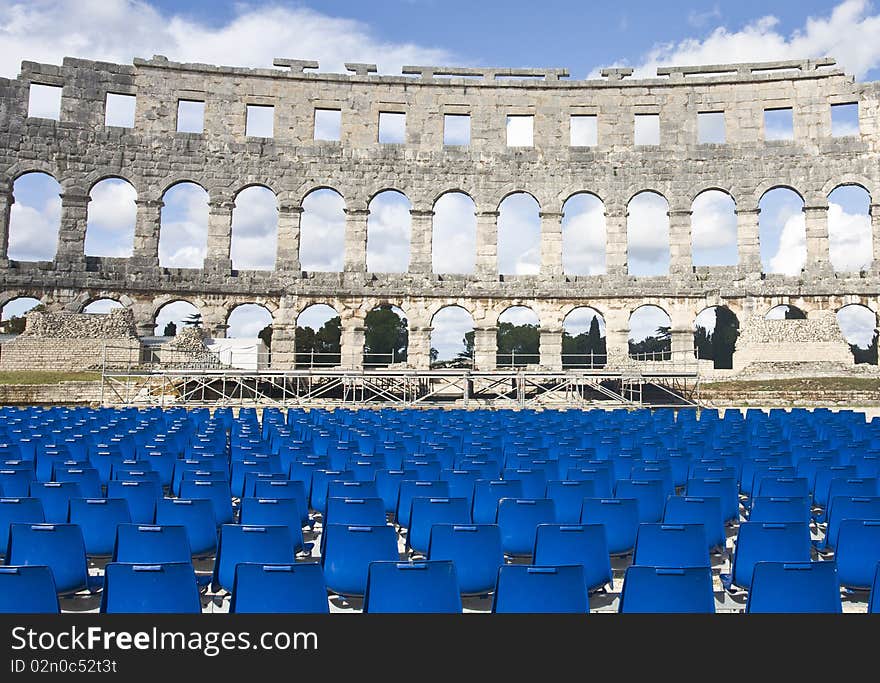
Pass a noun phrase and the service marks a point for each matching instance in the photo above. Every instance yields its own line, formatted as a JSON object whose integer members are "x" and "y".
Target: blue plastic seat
{"x": 351, "y": 489}
{"x": 18, "y": 511}
{"x": 794, "y": 587}
{"x": 461, "y": 483}
{"x": 661, "y": 473}
{"x": 151, "y": 544}
{"x": 426, "y": 512}
{"x": 141, "y": 497}
{"x": 27, "y": 590}
{"x": 411, "y": 489}
{"x": 671, "y": 546}
{"x": 546, "y": 590}
{"x": 260, "y": 544}
{"x": 619, "y": 516}
{"x": 568, "y": 498}
{"x": 874, "y": 597}
{"x": 295, "y": 490}
{"x": 534, "y": 481}
{"x": 181, "y": 467}
{"x": 252, "y": 478}
{"x": 217, "y": 492}
{"x": 57, "y": 546}
{"x": 824, "y": 477}
{"x": 150, "y": 589}
{"x": 475, "y": 550}
{"x": 518, "y": 519}
{"x": 321, "y": 485}
{"x": 355, "y": 511}
{"x": 196, "y": 516}
{"x": 698, "y": 510}
{"x": 487, "y": 494}
{"x": 723, "y": 488}
{"x": 780, "y": 509}
{"x": 98, "y": 519}
{"x": 580, "y": 544}
{"x": 412, "y": 587}
{"x": 766, "y": 542}
{"x": 15, "y": 480}
{"x": 348, "y": 552}
{"x": 667, "y": 590}
{"x": 87, "y": 477}
{"x": 847, "y": 507}
{"x": 279, "y": 589}
{"x": 782, "y": 487}
{"x": 857, "y": 552}
{"x": 55, "y": 497}
{"x": 650, "y": 494}
{"x": 388, "y": 485}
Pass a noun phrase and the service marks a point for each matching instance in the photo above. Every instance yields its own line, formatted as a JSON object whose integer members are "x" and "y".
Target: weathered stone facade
{"x": 79, "y": 150}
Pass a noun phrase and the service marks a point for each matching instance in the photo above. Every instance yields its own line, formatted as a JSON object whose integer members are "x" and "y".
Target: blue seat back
{"x": 57, "y": 546}
{"x": 217, "y": 492}
{"x": 671, "y": 546}
{"x": 857, "y": 552}
{"x": 412, "y": 587}
{"x": 426, "y": 512}
{"x": 355, "y": 511}
{"x": 150, "y": 589}
{"x": 698, "y": 510}
{"x": 667, "y": 590}
{"x": 411, "y": 489}
{"x": 286, "y": 489}
{"x": 518, "y": 519}
{"x": 476, "y": 551}
{"x": 27, "y": 590}
{"x": 55, "y": 497}
{"x": 534, "y": 481}
{"x": 196, "y": 516}
{"x": 723, "y": 488}
{"x": 279, "y": 589}
{"x": 650, "y": 494}
{"x": 768, "y": 542}
{"x": 619, "y": 516}
{"x": 141, "y": 497}
{"x": 580, "y": 544}
{"x": 528, "y": 589}
{"x": 388, "y": 486}
{"x": 848, "y": 507}
{"x": 260, "y": 544}
{"x": 794, "y": 587}
{"x": 568, "y": 498}
{"x": 780, "y": 509}
{"x": 348, "y": 552}
{"x": 151, "y": 544}
{"x": 18, "y": 511}
{"x": 487, "y": 493}
{"x": 98, "y": 519}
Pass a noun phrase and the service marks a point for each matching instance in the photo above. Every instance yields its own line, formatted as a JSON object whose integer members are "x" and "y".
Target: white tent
{"x": 245, "y": 354}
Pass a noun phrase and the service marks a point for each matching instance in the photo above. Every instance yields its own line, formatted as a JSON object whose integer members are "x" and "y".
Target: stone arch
{"x": 454, "y": 233}
{"x": 785, "y": 312}
{"x": 322, "y": 230}
{"x": 100, "y": 305}
{"x": 850, "y": 239}
{"x": 714, "y": 235}
{"x": 389, "y": 232}
{"x": 518, "y": 338}
{"x": 35, "y": 216}
{"x": 318, "y": 336}
{"x": 858, "y": 325}
{"x": 782, "y": 230}
{"x": 386, "y": 335}
{"x": 584, "y": 334}
{"x": 183, "y": 225}
{"x": 519, "y": 234}
{"x": 111, "y": 216}
{"x": 850, "y": 179}
{"x": 13, "y": 311}
{"x": 647, "y": 339}
{"x": 716, "y": 329}
{"x": 176, "y": 311}
{"x": 647, "y": 234}
{"x": 452, "y": 336}
{"x": 254, "y": 242}
{"x": 770, "y": 185}
{"x": 584, "y": 234}
{"x": 243, "y": 327}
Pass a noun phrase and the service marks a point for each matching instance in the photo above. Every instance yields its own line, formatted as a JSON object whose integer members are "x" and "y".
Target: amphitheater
{"x": 701, "y": 498}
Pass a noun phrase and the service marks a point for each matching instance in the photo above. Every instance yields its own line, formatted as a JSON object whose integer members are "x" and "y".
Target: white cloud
{"x": 315, "y": 316}
{"x": 101, "y": 306}
{"x": 118, "y": 30}
{"x": 176, "y": 312}
{"x": 392, "y": 127}
{"x": 111, "y": 217}
{"x": 328, "y": 124}
{"x": 260, "y": 121}
{"x": 791, "y": 255}
{"x": 647, "y": 229}
{"x": 857, "y": 324}
{"x": 713, "y": 229}
{"x": 520, "y": 131}
{"x": 580, "y": 319}
{"x": 33, "y": 232}
{"x": 183, "y": 237}
{"x": 583, "y": 236}
{"x": 706, "y": 319}
{"x": 18, "y": 307}
{"x": 449, "y": 326}
{"x": 388, "y": 233}
{"x": 519, "y": 315}
{"x": 645, "y": 321}
{"x": 322, "y": 232}
{"x": 254, "y": 229}
{"x": 247, "y": 321}
{"x": 849, "y": 239}
{"x": 850, "y": 33}
{"x": 454, "y": 241}
{"x": 519, "y": 236}
{"x": 44, "y": 101}
{"x": 700, "y": 19}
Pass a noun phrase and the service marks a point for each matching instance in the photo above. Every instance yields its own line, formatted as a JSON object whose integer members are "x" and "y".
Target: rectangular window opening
{"x": 584, "y": 131}
{"x": 520, "y": 130}
{"x": 190, "y": 116}
{"x": 456, "y": 129}
{"x": 392, "y": 127}
{"x": 119, "y": 110}
{"x": 779, "y": 124}
{"x": 328, "y": 124}
{"x": 44, "y": 101}
{"x": 710, "y": 127}
{"x": 260, "y": 121}
{"x": 647, "y": 129}
{"x": 845, "y": 120}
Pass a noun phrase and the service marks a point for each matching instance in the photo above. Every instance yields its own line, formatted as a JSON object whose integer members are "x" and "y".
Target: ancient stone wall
{"x": 79, "y": 150}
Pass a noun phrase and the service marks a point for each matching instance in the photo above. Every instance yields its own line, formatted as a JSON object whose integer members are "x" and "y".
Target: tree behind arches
{"x": 386, "y": 335}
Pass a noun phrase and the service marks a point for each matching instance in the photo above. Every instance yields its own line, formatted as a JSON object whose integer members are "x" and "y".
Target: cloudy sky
{"x": 398, "y": 32}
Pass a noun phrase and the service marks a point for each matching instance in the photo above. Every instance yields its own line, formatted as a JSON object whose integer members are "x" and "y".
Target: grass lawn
{"x": 47, "y": 377}
{"x": 799, "y": 384}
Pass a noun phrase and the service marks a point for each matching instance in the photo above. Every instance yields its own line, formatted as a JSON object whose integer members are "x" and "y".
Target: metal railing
{"x": 657, "y": 356}
{"x": 516, "y": 360}
{"x": 381, "y": 360}
{"x": 317, "y": 359}
{"x": 588, "y": 361}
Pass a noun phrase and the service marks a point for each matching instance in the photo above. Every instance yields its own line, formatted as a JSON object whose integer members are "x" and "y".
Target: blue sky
{"x": 582, "y": 37}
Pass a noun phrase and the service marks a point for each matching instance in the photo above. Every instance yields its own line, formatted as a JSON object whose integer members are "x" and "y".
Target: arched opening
{"x": 782, "y": 232}
{"x": 713, "y": 229}
{"x": 12, "y": 317}
{"x": 647, "y": 234}
{"x": 715, "y": 333}
{"x": 454, "y": 239}
{"x": 318, "y": 337}
{"x": 35, "y": 218}
{"x": 650, "y": 334}
{"x": 518, "y": 339}
{"x": 849, "y": 228}
{"x": 102, "y": 306}
{"x": 183, "y": 226}
{"x": 174, "y": 316}
{"x": 519, "y": 235}
{"x": 254, "y": 229}
{"x": 248, "y": 342}
{"x": 452, "y": 338}
{"x": 322, "y": 231}
{"x": 859, "y": 327}
{"x": 388, "y": 233}
{"x": 583, "y": 339}
{"x": 785, "y": 312}
{"x": 386, "y": 337}
{"x": 583, "y": 235}
{"x": 112, "y": 212}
